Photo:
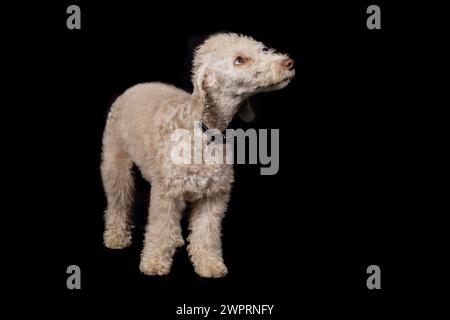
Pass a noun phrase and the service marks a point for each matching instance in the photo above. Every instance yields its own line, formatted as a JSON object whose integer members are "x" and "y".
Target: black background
{"x": 302, "y": 239}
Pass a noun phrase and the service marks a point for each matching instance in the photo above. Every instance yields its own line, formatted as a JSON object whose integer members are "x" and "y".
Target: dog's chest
{"x": 195, "y": 184}
{"x": 194, "y": 181}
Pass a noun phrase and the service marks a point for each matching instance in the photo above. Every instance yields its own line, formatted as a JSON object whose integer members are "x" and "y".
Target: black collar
{"x": 204, "y": 127}
{"x": 212, "y": 137}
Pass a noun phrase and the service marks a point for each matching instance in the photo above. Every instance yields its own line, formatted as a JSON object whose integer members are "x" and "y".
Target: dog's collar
{"x": 204, "y": 127}
{"x": 211, "y": 137}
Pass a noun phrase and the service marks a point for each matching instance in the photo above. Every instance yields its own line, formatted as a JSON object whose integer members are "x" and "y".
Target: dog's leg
{"x": 118, "y": 182}
{"x": 163, "y": 233}
{"x": 205, "y": 244}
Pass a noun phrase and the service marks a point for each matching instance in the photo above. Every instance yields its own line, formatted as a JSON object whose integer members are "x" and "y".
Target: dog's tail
{"x": 113, "y": 99}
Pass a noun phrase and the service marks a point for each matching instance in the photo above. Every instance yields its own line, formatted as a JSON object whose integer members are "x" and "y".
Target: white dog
{"x": 227, "y": 69}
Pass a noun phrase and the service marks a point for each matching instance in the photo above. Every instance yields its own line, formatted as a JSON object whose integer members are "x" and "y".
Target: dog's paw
{"x": 179, "y": 242}
{"x": 155, "y": 267}
{"x": 117, "y": 240}
{"x": 211, "y": 269}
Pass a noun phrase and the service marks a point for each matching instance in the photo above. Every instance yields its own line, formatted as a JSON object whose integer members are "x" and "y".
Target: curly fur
{"x": 138, "y": 131}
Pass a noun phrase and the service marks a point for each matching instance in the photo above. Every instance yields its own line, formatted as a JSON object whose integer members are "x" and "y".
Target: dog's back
{"x": 143, "y": 116}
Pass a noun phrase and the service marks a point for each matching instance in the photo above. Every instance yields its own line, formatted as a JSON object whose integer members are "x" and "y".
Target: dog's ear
{"x": 205, "y": 80}
{"x": 246, "y": 112}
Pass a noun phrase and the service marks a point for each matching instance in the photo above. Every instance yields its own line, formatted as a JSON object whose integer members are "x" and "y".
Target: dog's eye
{"x": 265, "y": 49}
{"x": 239, "y": 60}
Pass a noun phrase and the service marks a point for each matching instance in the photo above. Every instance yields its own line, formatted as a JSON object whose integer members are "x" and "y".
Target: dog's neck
{"x": 217, "y": 110}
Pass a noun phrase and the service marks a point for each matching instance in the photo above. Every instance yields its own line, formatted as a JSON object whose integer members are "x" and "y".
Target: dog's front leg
{"x": 205, "y": 244}
{"x": 163, "y": 233}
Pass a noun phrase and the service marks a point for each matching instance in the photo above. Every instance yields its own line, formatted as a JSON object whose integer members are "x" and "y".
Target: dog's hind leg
{"x": 118, "y": 183}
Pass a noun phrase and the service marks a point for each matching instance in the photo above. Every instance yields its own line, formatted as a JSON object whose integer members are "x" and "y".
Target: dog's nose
{"x": 288, "y": 64}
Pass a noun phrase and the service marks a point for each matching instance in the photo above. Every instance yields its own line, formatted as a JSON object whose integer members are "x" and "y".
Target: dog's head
{"x": 239, "y": 65}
